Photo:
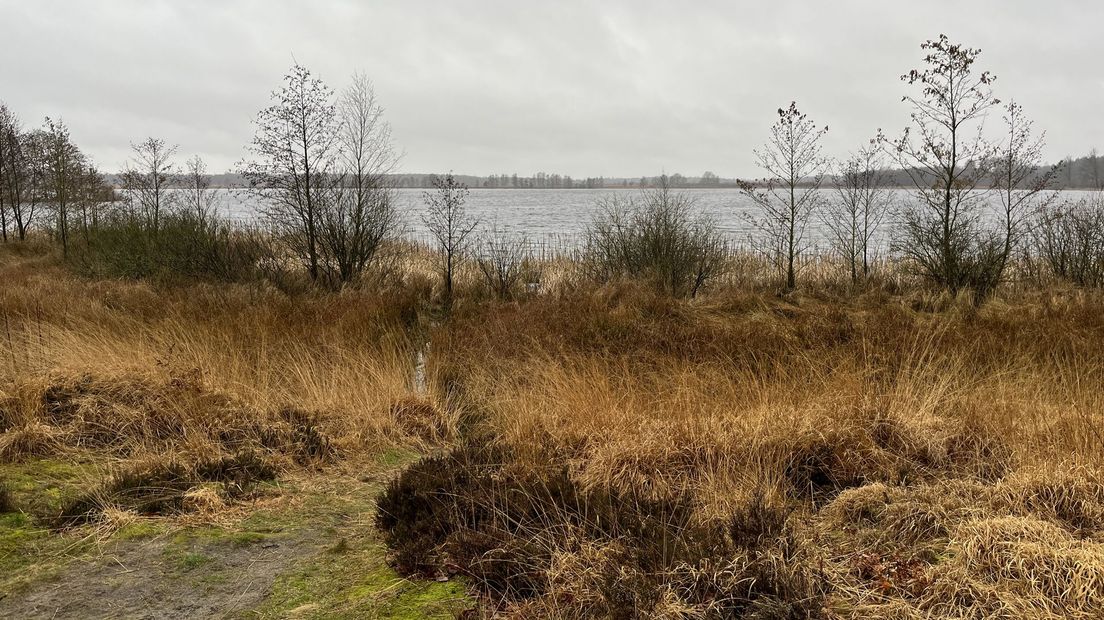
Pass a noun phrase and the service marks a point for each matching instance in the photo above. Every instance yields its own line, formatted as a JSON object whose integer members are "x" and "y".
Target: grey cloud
{"x": 583, "y": 88}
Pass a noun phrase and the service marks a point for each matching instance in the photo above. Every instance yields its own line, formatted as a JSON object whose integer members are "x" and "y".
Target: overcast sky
{"x": 613, "y": 88}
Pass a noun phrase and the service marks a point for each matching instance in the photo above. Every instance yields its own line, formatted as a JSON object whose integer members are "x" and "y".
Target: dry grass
{"x": 109, "y": 346}
{"x": 886, "y": 453}
{"x": 928, "y": 458}
{"x": 123, "y": 372}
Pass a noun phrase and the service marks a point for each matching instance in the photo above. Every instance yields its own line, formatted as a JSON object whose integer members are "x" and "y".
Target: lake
{"x": 561, "y": 216}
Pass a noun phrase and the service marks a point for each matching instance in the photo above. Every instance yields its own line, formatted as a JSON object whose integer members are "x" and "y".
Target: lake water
{"x": 561, "y": 216}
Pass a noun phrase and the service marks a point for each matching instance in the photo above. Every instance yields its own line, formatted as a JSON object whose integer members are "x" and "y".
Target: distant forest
{"x": 1085, "y": 172}
{"x": 1081, "y": 173}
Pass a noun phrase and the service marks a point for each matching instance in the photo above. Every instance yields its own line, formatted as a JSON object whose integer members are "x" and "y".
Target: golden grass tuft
{"x": 33, "y": 439}
{"x": 206, "y": 498}
{"x": 418, "y": 417}
{"x": 1020, "y": 567}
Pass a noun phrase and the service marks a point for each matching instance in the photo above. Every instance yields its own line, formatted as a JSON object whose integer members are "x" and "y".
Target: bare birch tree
{"x": 33, "y": 190}
{"x": 788, "y": 196}
{"x": 1022, "y": 184}
{"x": 11, "y": 167}
{"x": 292, "y": 166}
{"x": 64, "y": 165}
{"x": 863, "y": 198}
{"x": 20, "y": 175}
{"x": 148, "y": 179}
{"x": 197, "y": 198}
{"x": 947, "y": 157}
{"x": 363, "y": 213}
{"x": 450, "y": 224}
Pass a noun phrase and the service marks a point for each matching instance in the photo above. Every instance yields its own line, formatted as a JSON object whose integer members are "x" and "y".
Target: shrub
{"x": 413, "y": 512}
{"x": 308, "y": 442}
{"x": 162, "y": 487}
{"x": 185, "y": 246}
{"x": 1069, "y": 241}
{"x": 659, "y": 236}
{"x": 501, "y": 259}
{"x": 512, "y": 533}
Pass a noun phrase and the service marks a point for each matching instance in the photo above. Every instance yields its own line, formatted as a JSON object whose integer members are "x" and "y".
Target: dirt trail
{"x": 310, "y": 552}
{"x": 139, "y": 579}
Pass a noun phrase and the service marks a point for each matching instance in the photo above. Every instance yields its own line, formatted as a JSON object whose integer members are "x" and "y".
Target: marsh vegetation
{"x": 660, "y": 424}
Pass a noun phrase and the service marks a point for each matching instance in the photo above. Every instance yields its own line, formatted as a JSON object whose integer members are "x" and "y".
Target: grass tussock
{"x": 165, "y": 487}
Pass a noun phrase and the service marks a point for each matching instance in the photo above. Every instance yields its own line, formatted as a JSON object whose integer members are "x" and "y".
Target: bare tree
{"x": 293, "y": 152}
{"x": 64, "y": 167}
{"x": 11, "y": 166}
{"x": 21, "y": 173}
{"x": 197, "y": 197}
{"x": 948, "y": 159}
{"x": 363, "y": 214}
{"x": 30, "y": 208}
{"x": 90, "y": 199}
{"x": 863, "y": 198}
{"x": 788, "y": 196}
{"x": 1022, "y": 185}
{"x": 148, "y": 178}
{"x": 450, "y": 224}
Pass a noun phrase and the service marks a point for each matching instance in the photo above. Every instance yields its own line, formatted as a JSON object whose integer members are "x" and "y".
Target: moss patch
{"x": 29, "y": 553}
{"x": 140, "y": 530}
{"x": 40, "y": 487}
{"x": 353, "y": 581}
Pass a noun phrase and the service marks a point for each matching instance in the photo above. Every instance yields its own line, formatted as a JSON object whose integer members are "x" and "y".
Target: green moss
{"x": 29, "y": 553}
{"x": 139, "y": 530}
{"x": 349, "y": 578}
{"x": 15, "y": 521}
{"x": 41, "y": 486}
{"x": 397, "y": 457}
{"x": 359, "y": 584}
{"x": 190, "y": 561}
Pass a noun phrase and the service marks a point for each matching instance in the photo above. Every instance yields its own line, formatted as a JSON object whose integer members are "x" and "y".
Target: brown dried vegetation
{"x": 871, "y": 456}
